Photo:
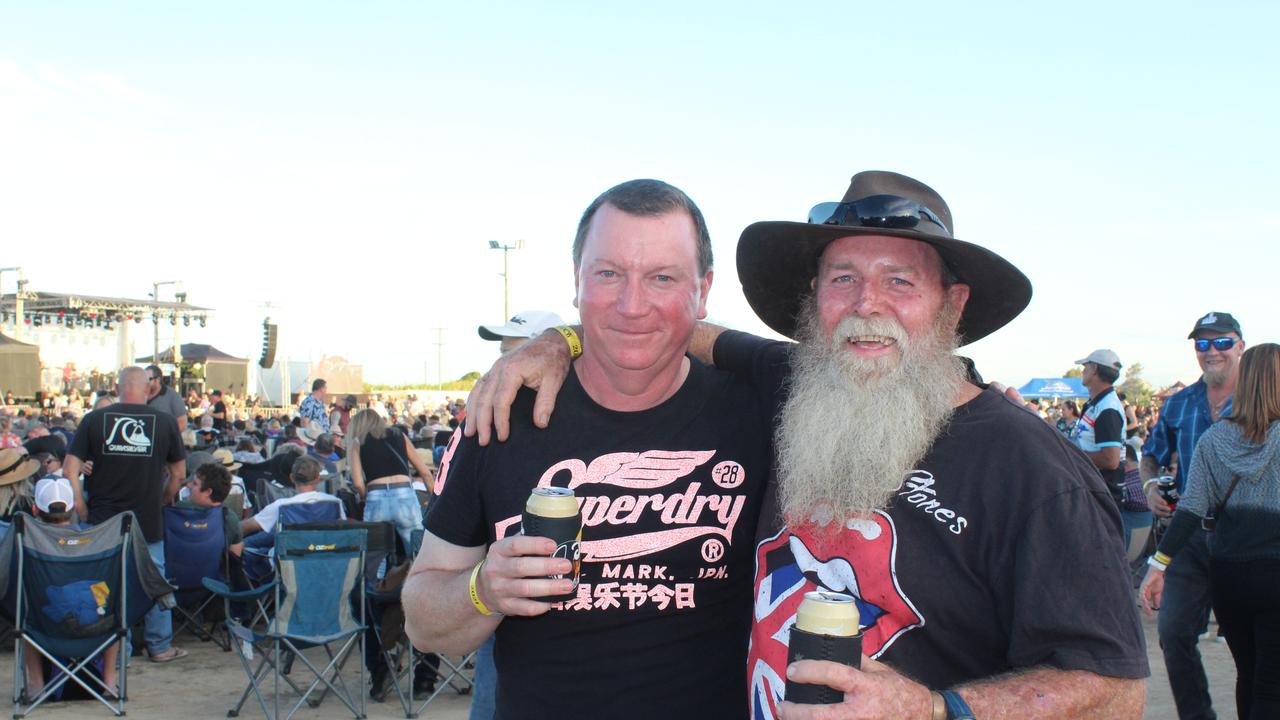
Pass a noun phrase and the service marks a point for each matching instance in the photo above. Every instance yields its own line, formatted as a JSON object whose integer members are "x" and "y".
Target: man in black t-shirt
{"x": 131, "y": 446}
{"x": 668, "y": 459}
{"x": 218, "y": 411}
{"x": 983, "y": 550}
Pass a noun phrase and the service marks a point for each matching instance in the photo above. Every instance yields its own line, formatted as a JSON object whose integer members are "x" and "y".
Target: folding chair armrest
{"x": 219, "y": 588}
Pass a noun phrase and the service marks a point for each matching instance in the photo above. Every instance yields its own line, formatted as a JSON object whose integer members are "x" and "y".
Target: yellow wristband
{"x": 939, "y": 706}
{"x": 475, "y": 594}
{"x": 571, "y": 337}
{"x": 1162, "y": 558}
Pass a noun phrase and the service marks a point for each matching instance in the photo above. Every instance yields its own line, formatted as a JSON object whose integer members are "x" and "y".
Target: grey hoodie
{"x": 1249, "y": 526}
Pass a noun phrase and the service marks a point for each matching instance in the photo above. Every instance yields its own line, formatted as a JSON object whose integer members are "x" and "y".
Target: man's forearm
{"x": 1055, "y": 694}
{"x": 439, "y": 616}
{"x": 702, "y": 344}
{"x": 1107, "y": 458}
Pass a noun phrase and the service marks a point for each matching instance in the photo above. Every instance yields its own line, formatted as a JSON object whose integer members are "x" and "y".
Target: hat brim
{"x": 777, "y": 262}
{"x": 20, "y": 473}
{"x": 499, "y": 332}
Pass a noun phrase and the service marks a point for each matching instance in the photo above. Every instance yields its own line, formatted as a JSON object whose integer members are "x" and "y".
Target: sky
{"x": 342, "y": 167}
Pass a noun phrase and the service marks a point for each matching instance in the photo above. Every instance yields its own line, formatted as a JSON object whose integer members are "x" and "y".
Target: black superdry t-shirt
{"x": 130, "y": 446}
{"x": 669, "y": 498}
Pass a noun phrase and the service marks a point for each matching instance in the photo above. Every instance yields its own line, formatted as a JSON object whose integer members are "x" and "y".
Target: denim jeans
{"x": 482, "y": 695}
{"x": 399, "y": 506}
{"x": 158, "y": 623}
{"x": 1184, "y": 615}
{"x": 1134, "y": 521}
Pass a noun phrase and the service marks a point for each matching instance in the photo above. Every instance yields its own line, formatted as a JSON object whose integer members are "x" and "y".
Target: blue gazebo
{"x": 1054, "y": 388}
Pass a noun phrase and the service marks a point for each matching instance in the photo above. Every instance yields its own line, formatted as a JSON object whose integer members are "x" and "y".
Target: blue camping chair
{"x": 195, "y": 548}
{"x": 258, "y": 547}
{"x": 456, "y": 673}
{"x": 71, "y": 594}
{"x": 319, "y": 602}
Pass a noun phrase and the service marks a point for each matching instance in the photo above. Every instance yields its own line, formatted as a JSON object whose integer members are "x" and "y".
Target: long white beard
{"x": 851, "y": 428}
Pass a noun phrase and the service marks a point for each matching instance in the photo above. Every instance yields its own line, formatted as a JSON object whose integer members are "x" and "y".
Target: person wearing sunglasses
{"x": 982, "y": 549}
{"x": 1218, "y": 343}
{"x": 161, "y": 397}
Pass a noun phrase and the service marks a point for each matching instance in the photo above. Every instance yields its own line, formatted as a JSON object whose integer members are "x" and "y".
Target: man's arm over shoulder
{"x": 1050, "y": 693}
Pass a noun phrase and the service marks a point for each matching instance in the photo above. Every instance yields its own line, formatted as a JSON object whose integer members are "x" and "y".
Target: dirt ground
{"x": 205, "y": 684}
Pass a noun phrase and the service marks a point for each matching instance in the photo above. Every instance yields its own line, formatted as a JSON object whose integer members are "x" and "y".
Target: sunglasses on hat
{"x": 1221, "y": 344}
{"x": 881, "y": 211}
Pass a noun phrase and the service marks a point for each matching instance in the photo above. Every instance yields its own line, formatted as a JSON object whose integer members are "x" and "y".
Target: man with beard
{"x": 983, "y": 550}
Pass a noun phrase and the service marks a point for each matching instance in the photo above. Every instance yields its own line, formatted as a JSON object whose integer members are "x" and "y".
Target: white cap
{"x": 527, "y": 324}
{"x": 1105, "y": 358}
{"x": 52, "y": 490}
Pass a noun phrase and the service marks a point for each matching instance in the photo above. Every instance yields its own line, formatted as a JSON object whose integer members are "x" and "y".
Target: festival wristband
{"x": 957, "y": 708}
{"x": 475, "y": 594}
{"x": 571, "y": 337}
{"x": 1156, "y": 564}
{"x": 1149, "y": 482}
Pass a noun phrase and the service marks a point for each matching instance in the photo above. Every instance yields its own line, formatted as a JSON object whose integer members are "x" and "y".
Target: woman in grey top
{"x": 1234, "y": 489}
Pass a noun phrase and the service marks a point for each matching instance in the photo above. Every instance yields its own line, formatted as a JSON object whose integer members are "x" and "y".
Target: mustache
{"x": 877, "y": 326}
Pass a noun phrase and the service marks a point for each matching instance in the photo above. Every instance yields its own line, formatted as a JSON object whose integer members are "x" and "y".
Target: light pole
{"x": 506, "y": 288}
{"x": 155, "y": 319}
{"x": 17, "y": 300}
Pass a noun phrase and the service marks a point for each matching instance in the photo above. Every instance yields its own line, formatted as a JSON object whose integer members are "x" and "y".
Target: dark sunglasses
{"x": 882, "y": 211}
{"x": 1221, "y": 344}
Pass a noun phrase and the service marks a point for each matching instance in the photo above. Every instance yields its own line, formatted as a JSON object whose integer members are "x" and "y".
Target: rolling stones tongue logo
{"x": 685, "y": 515}
{"x": 859, "y": 561}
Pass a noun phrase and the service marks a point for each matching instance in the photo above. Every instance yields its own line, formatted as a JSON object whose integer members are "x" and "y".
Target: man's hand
{"x": 1009, "y": 392}
{"x": 1152, "y": 591}
{"x": 1158, "y": 506}
{"x": 874, "y": 692}
{"x": 542, "y": 364}
{"x": 516, "y": 569}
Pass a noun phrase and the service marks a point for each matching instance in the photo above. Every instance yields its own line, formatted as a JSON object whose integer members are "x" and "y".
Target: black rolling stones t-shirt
{"x": 130, "y": 446}
{"x": 669, "y": 498}
{"x": 1000, "y": 551}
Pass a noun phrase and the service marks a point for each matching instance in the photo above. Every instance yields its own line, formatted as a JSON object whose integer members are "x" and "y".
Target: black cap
{"x": 1216, "y": 322}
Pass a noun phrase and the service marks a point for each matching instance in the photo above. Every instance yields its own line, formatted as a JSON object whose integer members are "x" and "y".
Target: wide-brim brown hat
{"x": 777, "y": 261}
{"x": 16, "y": 465}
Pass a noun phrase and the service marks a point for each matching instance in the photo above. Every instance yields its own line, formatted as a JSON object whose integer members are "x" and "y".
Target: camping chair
{"x": 195, "y": 548}
{"x": 450, "y": 672}
{"x": 319, "y": 602}
{"x": 71, "y": 594}
{"x": 258, "y": 547}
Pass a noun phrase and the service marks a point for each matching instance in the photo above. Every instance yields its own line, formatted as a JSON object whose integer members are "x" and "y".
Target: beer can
{"x": 1167, "y": 488}
{"x": 826, "y": 628}
{"x": 552, "y": 512}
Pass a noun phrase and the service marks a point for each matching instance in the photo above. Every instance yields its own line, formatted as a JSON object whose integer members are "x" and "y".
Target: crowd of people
{"x": 722, "y": 477}
{"x": 378, "y": 452}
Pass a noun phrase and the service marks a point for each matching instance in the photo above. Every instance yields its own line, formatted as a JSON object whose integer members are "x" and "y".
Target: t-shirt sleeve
{"x": 232, "y": 524}
{"x": 456, "y": 514}
{"x": 80, "y": 443}
{"x": 1098, "y": 632}
{"x": 177, "y": 451}
{"x": 765, "y": 364}
{"x": 267, "y": 517}
{"x": 1108, "y": 429}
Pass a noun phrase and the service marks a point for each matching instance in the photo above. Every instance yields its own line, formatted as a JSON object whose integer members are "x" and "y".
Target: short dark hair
{"x": 646, "y": 198}
{"x": 154, "y": 370}
{"x": 216, "y": 392}
{"x": 215, "y": 478}
{"x": 1108, "y": 374}
{"x": 324, "y": 444}
{"x": 317, "y": 384}
{"x": 305, "y": 471}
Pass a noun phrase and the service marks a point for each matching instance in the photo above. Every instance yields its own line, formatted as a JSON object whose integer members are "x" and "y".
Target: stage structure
{"x": 205, "y": 368}
{"x": 82, "y": 334}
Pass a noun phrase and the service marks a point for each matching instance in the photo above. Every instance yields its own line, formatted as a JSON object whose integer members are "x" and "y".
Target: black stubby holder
{"x": 812, "y": 646}
{"x": 565, "y": 532}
